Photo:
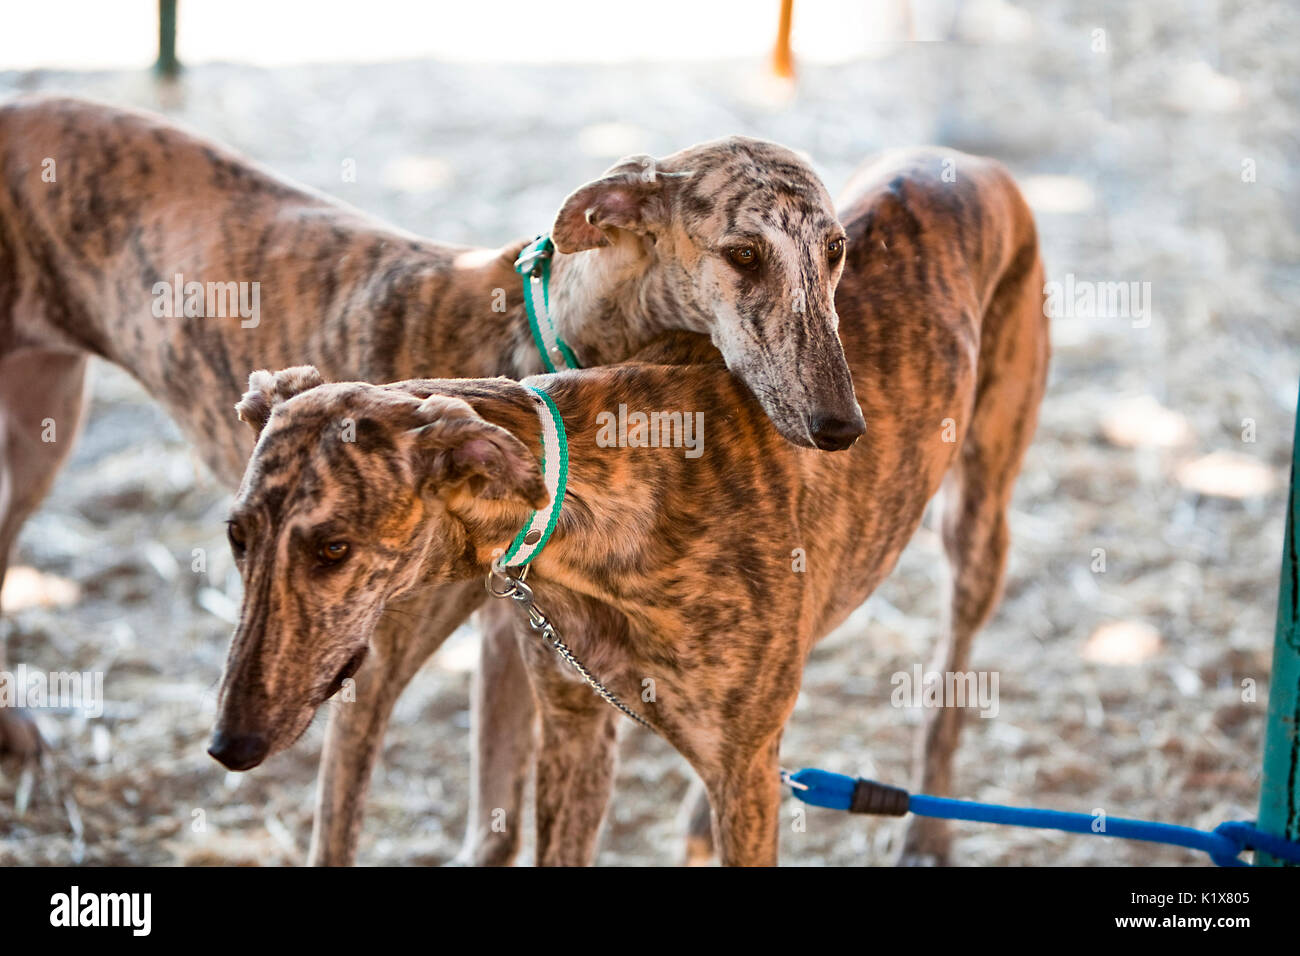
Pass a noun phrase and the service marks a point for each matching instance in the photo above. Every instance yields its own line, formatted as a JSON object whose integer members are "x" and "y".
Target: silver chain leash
{"x": 539, "y": 622}
{"x": 515, "y": 588}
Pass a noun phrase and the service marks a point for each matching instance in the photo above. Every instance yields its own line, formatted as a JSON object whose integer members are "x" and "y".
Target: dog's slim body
{"x": 664, "y": 567}
{"x": 99, "y": 206}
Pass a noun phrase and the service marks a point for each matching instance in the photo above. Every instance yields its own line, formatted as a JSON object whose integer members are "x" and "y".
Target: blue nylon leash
{"x": 836, "y": 791}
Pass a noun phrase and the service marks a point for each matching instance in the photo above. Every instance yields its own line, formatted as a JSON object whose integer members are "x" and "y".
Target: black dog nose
{"x": 836, "y": 434}
{"x": 238, "y": 751}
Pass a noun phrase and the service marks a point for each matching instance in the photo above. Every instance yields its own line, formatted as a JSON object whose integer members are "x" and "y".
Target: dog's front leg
{"x": 410, "y": 631}
{"x": 501, "y": 745}
{"x": 575, "y": 774}
{"x": 36, "y": 387}
{"x": 746, "y": 797}
{"x": 575, "y": 761}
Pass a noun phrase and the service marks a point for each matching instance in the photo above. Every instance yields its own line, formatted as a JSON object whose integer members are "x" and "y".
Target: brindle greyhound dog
{"x": 102, "y": 207}
{"x": 664, "y": 566}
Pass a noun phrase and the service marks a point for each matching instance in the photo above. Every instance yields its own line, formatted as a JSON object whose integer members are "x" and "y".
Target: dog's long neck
{"x": 631, "y": 511}
{"x": 416, "y": 309}
{"x": 453, "y": 313}
{"x": 323, "y": 283}
{"x": 609, "y": 302}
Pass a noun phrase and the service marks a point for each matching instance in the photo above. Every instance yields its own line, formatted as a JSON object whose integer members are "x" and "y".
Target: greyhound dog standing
{"x": 661, "y": 566}
{"x": 124, "y": 237}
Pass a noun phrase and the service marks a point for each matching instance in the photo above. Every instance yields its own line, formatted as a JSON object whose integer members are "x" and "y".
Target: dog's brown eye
{"x": 238, "y": 543}
{"x": 835, "y": 249}
{"x": 743, "y": 257}
{"x": 333, "y": 552}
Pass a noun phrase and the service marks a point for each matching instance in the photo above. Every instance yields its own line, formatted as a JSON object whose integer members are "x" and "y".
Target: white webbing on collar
{"x": 532, "y": 537}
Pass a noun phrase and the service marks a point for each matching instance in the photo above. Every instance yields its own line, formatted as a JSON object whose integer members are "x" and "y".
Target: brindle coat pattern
{"x": 680, "y": 570}
{"x": 135, "y": 200}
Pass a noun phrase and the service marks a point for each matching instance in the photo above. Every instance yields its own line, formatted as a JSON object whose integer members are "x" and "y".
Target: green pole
{"x": 1279, "y": 798}
{"x": 167, "y": 64}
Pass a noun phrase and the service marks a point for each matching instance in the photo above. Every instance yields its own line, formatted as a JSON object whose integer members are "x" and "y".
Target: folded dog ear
{"x": 459, "y": 449}
{"x": 628, "y": 196}
{"x": 266, "y": 390}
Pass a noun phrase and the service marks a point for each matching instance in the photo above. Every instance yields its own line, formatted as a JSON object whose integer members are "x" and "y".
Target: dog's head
{"x": 737, "y": 238}
{"x": 347, "y": 503}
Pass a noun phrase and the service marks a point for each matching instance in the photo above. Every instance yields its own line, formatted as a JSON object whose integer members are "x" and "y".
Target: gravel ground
{"x": 1166, "y": 158}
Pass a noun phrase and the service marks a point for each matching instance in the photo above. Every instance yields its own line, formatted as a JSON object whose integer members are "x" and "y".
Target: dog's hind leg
{"x": 41, "y": 404}
{"x": 975, "y": 497}
{"x": 501, "y": 745}
{"x": 410, "y": 631}
{"x": 696, "y": 819}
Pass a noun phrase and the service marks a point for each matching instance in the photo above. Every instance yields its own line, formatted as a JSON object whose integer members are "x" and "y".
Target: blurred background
{"x": 1157, "y": 143}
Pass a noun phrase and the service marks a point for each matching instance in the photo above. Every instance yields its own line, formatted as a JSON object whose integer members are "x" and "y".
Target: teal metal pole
{"x": 167, "y": 64}
{"x": 1279, "y": 798}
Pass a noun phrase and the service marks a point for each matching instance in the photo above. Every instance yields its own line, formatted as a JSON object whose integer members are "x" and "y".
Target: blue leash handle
{"x": 1224, "y": 844}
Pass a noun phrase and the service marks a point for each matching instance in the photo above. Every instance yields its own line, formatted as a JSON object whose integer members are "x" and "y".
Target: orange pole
{"x": 782, "y": 57}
